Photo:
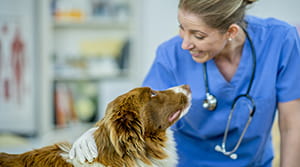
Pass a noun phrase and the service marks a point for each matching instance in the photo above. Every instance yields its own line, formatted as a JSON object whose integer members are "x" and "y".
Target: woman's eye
{"x": 153, "y": 94}
{"x": 199, "y": 37}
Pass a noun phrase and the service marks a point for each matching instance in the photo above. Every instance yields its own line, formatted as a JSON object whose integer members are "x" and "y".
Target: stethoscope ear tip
{"x": 218, "y": 148}
{"x": 233, "y": 156}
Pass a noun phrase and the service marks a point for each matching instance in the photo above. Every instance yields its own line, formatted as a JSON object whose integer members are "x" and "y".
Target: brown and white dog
{"x": 133, "y": 133}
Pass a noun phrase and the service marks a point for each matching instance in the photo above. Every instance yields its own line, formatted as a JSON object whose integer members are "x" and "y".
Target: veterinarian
{"x": 241, "y": 70}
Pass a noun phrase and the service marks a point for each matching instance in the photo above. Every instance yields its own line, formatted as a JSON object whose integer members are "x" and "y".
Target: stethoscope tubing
{"x": 252, "y": 110}
{"x": 251, "y": 114}
{"x": 253, "y": 59}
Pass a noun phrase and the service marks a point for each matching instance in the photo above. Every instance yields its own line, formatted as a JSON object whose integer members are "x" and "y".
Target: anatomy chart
{"x": 13, "y": 63}
{"x": 16, "y": 73}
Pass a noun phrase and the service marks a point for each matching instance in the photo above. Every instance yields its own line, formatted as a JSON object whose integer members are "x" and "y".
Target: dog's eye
{"x": 153, "y": 94}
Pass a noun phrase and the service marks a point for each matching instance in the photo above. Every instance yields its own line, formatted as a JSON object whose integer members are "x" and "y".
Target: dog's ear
{"x": 127, "y": 131}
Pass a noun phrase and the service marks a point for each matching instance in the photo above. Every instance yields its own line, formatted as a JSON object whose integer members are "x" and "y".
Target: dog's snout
{"x": 186, "y": 87}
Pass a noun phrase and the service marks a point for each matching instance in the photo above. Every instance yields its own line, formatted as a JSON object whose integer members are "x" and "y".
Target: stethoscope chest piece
{"x": 210, "y": 102}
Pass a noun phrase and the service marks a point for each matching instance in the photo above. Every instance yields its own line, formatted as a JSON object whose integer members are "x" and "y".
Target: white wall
{"x": 157, "y": 22}
{"x": 287, "y": 10}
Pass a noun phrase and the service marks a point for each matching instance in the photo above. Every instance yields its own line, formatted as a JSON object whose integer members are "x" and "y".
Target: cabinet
{"x": 90, "y": 44}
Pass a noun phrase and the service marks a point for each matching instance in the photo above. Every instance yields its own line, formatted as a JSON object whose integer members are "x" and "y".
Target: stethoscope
{"x": 210, "y": 103}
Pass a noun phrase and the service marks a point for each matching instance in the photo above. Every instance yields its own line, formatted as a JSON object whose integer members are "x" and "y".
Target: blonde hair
{"x": 219, "y": 14}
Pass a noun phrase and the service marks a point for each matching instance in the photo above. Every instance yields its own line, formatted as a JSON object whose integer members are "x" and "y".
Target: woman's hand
{"x": 85, "y": 148}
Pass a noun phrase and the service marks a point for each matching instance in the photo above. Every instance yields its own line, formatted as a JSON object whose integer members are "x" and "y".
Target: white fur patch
{"x": 179, "y": 89}
{"x": 170, "y": 149}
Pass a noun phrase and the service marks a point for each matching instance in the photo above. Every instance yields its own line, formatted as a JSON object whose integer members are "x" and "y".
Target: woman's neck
{"x": 228, "y": 60}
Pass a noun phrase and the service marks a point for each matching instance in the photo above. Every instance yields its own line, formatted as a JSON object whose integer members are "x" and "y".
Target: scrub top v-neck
{"x": 240, "y": 72}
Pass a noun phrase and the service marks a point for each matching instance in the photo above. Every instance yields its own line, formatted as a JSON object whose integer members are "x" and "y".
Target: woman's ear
{"x": 232, "y": 31}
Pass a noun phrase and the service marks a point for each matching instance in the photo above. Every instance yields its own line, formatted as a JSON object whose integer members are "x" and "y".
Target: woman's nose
{"x": 186, "y": 43}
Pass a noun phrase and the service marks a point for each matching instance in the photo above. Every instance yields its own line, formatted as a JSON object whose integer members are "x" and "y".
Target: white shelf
{"x": 71, "y": 37}
{"x": 88, "y": 77}
{"x": 90, "y": 25}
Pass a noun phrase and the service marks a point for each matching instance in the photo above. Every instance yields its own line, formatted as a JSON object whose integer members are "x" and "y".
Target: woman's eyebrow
{"x": 192, "y": 30}
{"x": 198, "y": 31}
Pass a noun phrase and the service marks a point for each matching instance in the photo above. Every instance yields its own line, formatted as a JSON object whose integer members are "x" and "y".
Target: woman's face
{"x": 203, "y": 42}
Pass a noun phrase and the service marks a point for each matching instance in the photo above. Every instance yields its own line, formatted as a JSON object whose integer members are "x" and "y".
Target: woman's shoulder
{"x": 171, "y": 48}
{"x": 171, "y": 51}
{"x": 268, "y": 23}
{"x": 174, "y": 42}
{"x": 270, "y": 30}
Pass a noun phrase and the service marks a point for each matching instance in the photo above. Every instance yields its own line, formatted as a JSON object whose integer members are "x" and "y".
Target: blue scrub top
{"x": 277, "y": 79}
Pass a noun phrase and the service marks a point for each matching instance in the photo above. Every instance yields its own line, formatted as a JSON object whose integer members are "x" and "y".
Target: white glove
{"x": 85, "y": 148}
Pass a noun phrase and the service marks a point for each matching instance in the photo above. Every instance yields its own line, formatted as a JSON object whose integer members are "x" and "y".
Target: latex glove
{"x": 85, "y": 148}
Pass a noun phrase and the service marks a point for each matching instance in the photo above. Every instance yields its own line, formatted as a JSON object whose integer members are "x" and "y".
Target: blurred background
{"x": 62, "y": 61}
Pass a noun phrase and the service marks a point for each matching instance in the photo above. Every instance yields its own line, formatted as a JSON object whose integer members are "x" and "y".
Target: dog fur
{"x": 133, "y": 133}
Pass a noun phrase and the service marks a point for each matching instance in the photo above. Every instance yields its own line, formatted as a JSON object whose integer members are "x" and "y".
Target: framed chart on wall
{"x": 17, "y": 71}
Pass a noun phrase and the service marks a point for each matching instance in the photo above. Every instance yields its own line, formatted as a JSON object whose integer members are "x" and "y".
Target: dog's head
{"x": 137, "y": 120}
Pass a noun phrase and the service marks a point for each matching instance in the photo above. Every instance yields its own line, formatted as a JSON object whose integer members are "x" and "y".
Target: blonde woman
{"x": 241, "y": 69}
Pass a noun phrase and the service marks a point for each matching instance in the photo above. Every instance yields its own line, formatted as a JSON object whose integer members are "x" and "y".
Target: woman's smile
{"x": 198, "y": 53}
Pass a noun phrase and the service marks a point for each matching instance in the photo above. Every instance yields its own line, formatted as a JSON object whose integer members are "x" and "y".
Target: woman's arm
{"x": 289, "y": 126}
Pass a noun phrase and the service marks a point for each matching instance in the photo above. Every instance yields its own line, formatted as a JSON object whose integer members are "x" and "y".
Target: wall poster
{"x": 17, "y": 102}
